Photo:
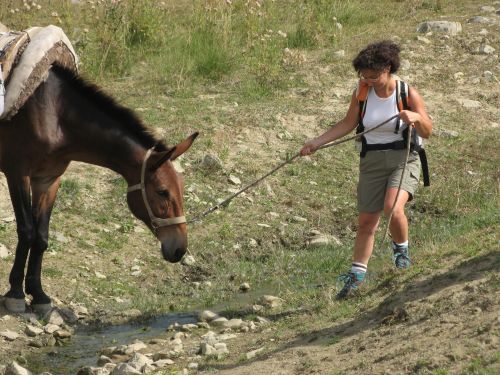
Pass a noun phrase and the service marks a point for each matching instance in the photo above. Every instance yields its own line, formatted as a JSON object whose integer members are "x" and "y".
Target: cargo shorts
{"x": 380, "y": 170}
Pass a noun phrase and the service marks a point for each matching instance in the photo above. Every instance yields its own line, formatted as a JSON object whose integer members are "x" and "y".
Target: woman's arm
{"x": 417, "y": 115}
{"x": 338, "y": 130}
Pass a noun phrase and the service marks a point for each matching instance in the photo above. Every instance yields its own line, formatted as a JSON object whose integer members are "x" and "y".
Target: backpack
{"x": 416, "y": 142}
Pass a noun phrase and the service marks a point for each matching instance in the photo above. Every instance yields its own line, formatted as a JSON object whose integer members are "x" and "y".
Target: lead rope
{"x": 288, "y": 161}
{"x": 399, "y": 190}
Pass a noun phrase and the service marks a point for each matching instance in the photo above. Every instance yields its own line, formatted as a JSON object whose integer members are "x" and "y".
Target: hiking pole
{"x": 399, "y": 190}
{"x": 288, "y": 161}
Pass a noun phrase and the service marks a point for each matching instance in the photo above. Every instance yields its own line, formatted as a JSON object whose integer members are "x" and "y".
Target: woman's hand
{"x": 309, "y": 148}
{"x": 410, "y": 118}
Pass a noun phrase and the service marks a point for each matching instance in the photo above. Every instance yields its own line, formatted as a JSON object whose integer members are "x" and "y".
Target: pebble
{"x": 15, "y": 368}
{"x": 32, "y": 331}
{"x": 9, "y": 335}
{"x": 4, "y": 252}
{"x": 207, "y": 316}
{"x": 244, "y": 287}
{"x": 188, "y": 260}
{"x": 254, "y": 353}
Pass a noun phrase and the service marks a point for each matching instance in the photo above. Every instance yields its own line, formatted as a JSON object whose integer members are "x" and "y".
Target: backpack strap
{"x": 361, "y": 96}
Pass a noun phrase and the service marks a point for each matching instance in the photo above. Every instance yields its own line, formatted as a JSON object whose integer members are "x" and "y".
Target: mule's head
{"x": 158, "y": 202}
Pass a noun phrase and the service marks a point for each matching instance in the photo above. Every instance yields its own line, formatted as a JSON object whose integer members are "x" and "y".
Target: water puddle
{"x": 87, "y": 342}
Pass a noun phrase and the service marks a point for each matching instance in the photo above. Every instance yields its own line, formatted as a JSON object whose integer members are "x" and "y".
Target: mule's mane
{"x": 127, "y": 120}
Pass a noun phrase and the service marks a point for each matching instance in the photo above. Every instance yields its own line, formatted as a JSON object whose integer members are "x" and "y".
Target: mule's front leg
{"x": 19, "y": 193}
{"x": 44, "y": 191}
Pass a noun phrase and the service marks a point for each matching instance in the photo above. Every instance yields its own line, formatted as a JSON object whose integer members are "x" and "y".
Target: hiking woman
{"x": 382, "y": 154}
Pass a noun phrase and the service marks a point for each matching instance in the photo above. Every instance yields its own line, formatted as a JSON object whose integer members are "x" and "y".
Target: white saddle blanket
{"x": 47, "y": 45}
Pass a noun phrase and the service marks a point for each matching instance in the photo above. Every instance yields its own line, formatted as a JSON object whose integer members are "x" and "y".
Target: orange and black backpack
{"x": 416, "y": 143}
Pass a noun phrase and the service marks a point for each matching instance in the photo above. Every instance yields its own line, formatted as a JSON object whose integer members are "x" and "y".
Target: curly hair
{"x": 377, "y": 56}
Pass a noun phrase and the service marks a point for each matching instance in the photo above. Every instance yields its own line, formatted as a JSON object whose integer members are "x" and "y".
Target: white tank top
{"x": 378, "y": 110}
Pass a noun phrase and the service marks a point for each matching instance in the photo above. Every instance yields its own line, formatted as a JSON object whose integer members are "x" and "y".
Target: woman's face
{"x": 373, "y": 77}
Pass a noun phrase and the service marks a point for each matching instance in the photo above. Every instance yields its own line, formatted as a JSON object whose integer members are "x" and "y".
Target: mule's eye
{"x": 163, "y": 193}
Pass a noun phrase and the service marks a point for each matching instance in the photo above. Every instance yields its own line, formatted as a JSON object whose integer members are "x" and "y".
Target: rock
{"x": 62, "y": 334}
{"x": 219, "y": 322}
{"x": 262, "y": 321}
{"x": 254, "y": 353}
{"x": 193, "y": 366}
{"x": 89, "y": 370}
{"x": 51, "y": 328}
{"x": 4, "y": 252}
{"x": 234, "y": 180}
{"x": 80, "y": 311}
{"x": 103, "y": 360}
{"x": 299, "y": 219}
{"x": 207, "y": 349}
{"x": 135, "y": 347}
{"x": 446, "y": 133}
{"x": 188, "y": 260}
{"x": 467, "y": 103}
{"x": 244, "y": 287}
{"x": 9, "y": 335}
{"x": 448, "y": 27}
{"x": 138, "y": 361}
{"x": 99, "y": 275}
{"x": 252, "y": 242}
{"x": 489, "y": 76}
{"x": 423, "y": 40}
{"x": 15, "y": 369}
{"x": 485, "y": 50}
{"x": 233, "y": 324}
{"x": 221, "y": 348}
{"x": 68, "y": 315}
{"x": 32, "y": 331}
{"x": 207, "y": 316}
{"x": 124, "y": 369}
{"x": 53, "y": 317}
{"x": 210, "y": 338}
{"x": 481, "y": 19}
{"x": 211, "y": 162}
{"x": 187, "y": 328}
{"x": 339, "y": 53}
{"x": 271, "y": 301}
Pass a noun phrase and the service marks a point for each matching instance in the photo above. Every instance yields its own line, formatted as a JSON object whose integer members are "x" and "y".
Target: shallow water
{"x": 86, "y": 343}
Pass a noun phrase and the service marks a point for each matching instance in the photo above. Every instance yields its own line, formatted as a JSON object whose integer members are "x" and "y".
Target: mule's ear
{"x": 183, "y": 146}
{"x": 159, "y": 158}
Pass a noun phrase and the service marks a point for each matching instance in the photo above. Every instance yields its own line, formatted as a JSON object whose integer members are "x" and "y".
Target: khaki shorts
{"x": 380, "y": 170}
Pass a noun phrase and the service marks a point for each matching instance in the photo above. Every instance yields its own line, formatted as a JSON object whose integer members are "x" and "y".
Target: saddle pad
{"x": 11, "y": 45}
{"x": 47, "y": 45}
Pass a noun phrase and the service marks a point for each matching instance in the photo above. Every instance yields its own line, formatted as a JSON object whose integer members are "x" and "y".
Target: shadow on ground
{"x": 467, "y": 271}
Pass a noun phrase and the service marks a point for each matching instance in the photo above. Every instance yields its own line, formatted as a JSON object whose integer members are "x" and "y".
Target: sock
{"x": 359, "y": 269}
{"x": 395, "y": 245}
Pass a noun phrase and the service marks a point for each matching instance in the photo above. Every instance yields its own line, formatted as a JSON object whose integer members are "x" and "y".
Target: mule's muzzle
{"x": 173, "y": 254}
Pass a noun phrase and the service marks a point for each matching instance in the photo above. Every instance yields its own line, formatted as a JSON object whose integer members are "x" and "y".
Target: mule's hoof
{"x": 15, "y": 305}
{"x": 42, "y": 308}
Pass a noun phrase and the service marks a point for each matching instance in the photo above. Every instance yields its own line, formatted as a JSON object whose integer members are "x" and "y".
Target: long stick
{"x": 288, "y": 161}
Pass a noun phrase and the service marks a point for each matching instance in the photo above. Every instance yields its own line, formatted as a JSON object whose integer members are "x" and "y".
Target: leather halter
{"x": 156, "y": 222}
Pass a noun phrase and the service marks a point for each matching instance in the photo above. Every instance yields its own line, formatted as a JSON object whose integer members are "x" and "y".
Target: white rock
{"x": 480, "y": 19}
{"x": 192, "y": 366}
{"x": 234, "y": 180}
{"x": 9, "y": 335}
{"x": 207, "y": 316}
{"x": 135, "y": 347}
{"x": 54, "y": 317}
{"x": 15, "y": 369}
{"x": 33, "y": 331}
{"x": 487, "y": 8}
{"x": 125, "y": 369}
{"x": 138, "y": 361}
{"x": 423, "y": 40}
{"x": 254, "y": 353}
{"x": 271, "y": 301}
{"x": 188, "y": 260}
{"x": 207, "y": 349}
{"x": 485, "y": 50}
{"x": 339, "y": 53}
{"x": 221, "y": 348}
{"x": 4, "y": 252}
{"x": 467, "y": 103}
{"x": 219, "y": 322}
{"x": 252, "y": 242}
{"x": 233, "y": 324}
{"x": 245, "y": 287}
{"x": 51, "y": 328}
{"x": 448, "y": 27}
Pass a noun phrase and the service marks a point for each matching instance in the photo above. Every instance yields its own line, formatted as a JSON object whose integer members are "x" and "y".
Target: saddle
{"x": 26, "y": 58}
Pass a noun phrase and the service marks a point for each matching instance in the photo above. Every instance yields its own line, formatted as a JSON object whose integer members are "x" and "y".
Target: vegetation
{"x": 250, "y": 75}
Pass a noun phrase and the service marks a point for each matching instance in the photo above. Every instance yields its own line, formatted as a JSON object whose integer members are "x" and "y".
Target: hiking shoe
{"x": 351, "y": 282}
{"x": 401, "y": 256}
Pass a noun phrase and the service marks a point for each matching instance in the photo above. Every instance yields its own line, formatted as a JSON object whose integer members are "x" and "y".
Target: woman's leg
{"x": 365, "y": 236}
{"x": 399, "y": 222}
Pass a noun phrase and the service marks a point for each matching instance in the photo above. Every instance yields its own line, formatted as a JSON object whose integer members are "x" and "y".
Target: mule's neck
{"x": 99, "y": 136}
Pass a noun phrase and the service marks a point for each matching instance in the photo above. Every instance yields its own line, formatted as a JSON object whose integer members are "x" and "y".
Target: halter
{"x": 156, "y": 222}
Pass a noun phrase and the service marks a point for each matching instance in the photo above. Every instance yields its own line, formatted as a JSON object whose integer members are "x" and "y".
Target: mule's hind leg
{"x": 19, "y": 188}
{"x": 44, "y": 191}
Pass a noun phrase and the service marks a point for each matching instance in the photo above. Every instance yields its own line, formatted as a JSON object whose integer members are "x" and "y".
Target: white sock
{"x": 403, "y": 244}
{"x": 358, "y": 267}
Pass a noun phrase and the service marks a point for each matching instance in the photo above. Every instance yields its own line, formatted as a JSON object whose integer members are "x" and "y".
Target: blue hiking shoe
{"x": 351, "y": 282}
{"x": 401, "y": 256}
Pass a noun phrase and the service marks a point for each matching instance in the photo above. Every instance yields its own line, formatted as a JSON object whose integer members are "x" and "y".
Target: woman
{"x": 381, "y": 164}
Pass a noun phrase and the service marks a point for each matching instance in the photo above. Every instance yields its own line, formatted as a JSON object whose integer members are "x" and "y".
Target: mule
{"x": 70, "y": 119}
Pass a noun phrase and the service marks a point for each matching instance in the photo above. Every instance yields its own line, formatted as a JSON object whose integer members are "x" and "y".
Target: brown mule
{"x": 68, "y": 119}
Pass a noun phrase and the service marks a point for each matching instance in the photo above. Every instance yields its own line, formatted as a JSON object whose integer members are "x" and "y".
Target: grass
{"x": 222, "y": 69}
